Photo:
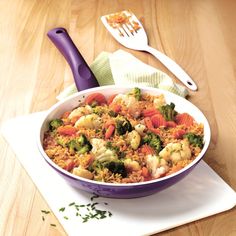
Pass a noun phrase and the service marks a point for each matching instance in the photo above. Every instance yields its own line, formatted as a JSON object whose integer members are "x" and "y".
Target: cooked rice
{"x": 57, "y": 144}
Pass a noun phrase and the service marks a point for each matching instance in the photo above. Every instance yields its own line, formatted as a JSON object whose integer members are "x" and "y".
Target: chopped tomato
{"x": 148, "y": 122}
{"x": 178, "y": 134}
{"x": 155, "y": 131}
{"x": 171, "y": 124}
{"x": 69, "y": 165}
{"x": 66, "y": 130}
{"x": 145, "y": 172}
{"x": 146, "y": 149}
{"x": 116, "y": 108}
{"x": 150, "y": 112}
{"x": 184, "y": 119}
{"x": 95, "y": 98}
{"x": 158, "y": 121}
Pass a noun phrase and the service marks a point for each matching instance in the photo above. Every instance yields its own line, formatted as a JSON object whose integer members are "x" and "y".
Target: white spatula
{"x": 128, "y": 31}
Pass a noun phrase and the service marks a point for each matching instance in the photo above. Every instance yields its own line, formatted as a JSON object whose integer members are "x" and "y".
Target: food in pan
{"x": 125, "y": 138}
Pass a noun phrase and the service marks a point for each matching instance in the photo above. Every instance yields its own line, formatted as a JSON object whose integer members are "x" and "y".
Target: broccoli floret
{"x": 111, "y": 147}
{"x": 136, "y": 92}
{"x": 195, "y": 140}
{"x": 82, "y": 140}
{"x": 117, "y": 167}
{"x": 116, "y": 150}
{"x": 153, "y": 140}
{"x": 54, "y": 124}
{"x": 112, "y": 113}
{"x": 123, "y": 125}
{"x": 168, "y": 111}
{"x": 80, "y": 145}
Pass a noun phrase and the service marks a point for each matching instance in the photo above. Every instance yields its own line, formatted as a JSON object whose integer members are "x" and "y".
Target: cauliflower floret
{"x": 156, "y": 165}
{"x": 91, "y": 121}
{"x": 80, "y": 171}
{"x": 131, "y": 165}
{"x": 101, "y": 153}
{"x": 80, "y": 111}
{"x": 160, "y": 101}
{"x": 99, "y": 146}
{"x": 134, "y": 139}
{"x": 130, "y": 102}
{"x": 140, "y": 129}
{"x": 176, "y": 151}
{"x": 125, "y": 98}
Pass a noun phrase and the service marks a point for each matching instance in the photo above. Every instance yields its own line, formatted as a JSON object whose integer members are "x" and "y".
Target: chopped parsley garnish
{"x": 88, "y": 211}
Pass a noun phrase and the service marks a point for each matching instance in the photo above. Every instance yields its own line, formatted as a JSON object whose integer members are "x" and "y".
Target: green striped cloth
{"x": 122, "y": 68}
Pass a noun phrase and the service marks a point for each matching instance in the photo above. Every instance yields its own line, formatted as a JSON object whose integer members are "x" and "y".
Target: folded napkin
{"x": 122, "y": 68}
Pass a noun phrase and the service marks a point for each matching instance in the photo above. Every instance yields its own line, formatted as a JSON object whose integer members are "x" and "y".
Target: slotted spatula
{"x": 128, "y": 31}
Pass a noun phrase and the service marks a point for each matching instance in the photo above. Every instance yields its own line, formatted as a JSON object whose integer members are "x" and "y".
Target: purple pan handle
{"x": 83, "y": 76}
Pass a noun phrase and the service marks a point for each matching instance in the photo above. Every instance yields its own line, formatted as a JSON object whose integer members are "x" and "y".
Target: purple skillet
{"x": 84, "y": 80}
{"x": 83, "y": 76}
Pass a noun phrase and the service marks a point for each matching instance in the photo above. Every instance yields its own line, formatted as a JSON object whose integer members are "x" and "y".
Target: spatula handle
{"x": 173, "y": 67}
{"x": 83, "y": 76}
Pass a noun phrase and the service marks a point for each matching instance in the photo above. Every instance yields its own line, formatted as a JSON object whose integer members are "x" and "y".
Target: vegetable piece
{"x": 109, "y": 131}
{"x": 80, "y": 145}
{"x": 82, "y": 172}
{"x": 108, "y": 123}
{"x": 91, "y": 121}
{"x": 95, "y": 99}
{"x": 153, "y": 140}
{"x": 150, "y": 112}
{"x": 178, "y": 134}
{"x": 123, "y": 125}
{"x": 54, "y": 124}
{"x": 168, "y": 111}
{"x": 136, "y": 92}
{"x": 117, "y": 167}
{"x": 134, "y": 139}
{"x": 184, "y": 119}
{"x": 112, "y": 113}
{"x": 176, "y": 151}
{"x": 131, "y": 165}
{"x": 69, "y": 165}
{"x": 171, "y": 124}
{"x": 146, "y": 149}
{"x": 155, "y": 131}
{"x": 195, "y": 140}
{"x": 116, "y": 108}
{"x": 80, "y": 111}
{"x": 140, "y": 129}
{"x": 74, "y": 119}
{"x": 158, "y": 121}
{"x": 148, "y": 123}
{"x": 156, "y": 166}
{"x": 145, "y": 172}
{"x": 66, "y": 130}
